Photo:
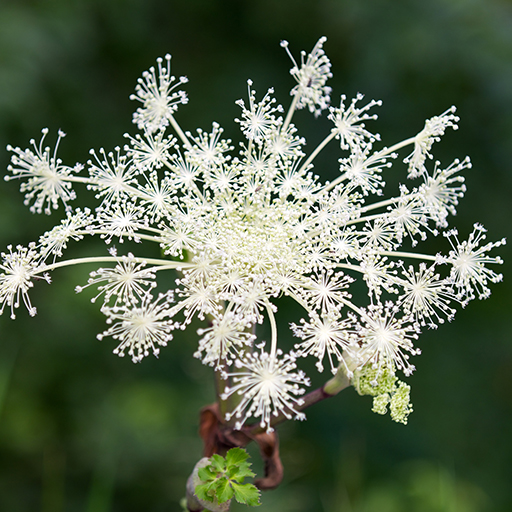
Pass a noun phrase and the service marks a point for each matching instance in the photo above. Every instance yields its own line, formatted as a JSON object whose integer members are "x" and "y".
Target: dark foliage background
{"x": 84, "y": 431}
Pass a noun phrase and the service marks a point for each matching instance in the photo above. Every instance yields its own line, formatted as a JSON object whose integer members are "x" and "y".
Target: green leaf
{"x": 224, "y": 490}
{"x": 205, "y": 492}
{"x": 218, "y": 462}
{"x": 223, "y": 478}
{"x": 206, "y": 474}
{"x": 236, "y": 456}
{"x": 246, "y": 493}
{"x": 239, "y": 473}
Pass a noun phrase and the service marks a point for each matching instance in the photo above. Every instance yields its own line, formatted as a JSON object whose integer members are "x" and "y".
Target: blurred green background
{"x": 84, "y": 431}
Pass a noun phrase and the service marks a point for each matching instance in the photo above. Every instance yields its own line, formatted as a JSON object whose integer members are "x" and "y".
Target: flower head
{"x": 427, "y": 296}
{"x": 260, "y": 116}
{"x": 158, "y": 96}
{"x": 17, "y": 273}
{"x": 149, "y": 151}
{"x": 220, "y": 341}
{"x": 74, "y": 227}
{"x": 325, "y": 335}
{"x": 386, "y": 340}
{"x": 311, "y": 77}
{"x": 240, "y": 226}
{"x": 349, "y": 125}
{"x": 268, "y": 386}
{"x": 432, "y": 132}
{"x": 111, "y": 176}
{"x": 142, "y": 327}
{"x": 128, "y": 283}
{"x": 47, "y": 182}
{"x": 441, "y": 192}
{"x": 468, "y": 260}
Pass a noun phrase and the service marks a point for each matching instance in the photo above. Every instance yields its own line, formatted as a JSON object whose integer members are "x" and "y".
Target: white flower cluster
{"x": 243, "y": 228}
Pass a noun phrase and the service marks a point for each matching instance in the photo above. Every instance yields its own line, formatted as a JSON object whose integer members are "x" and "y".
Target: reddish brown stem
{"x": 329, "y": 389}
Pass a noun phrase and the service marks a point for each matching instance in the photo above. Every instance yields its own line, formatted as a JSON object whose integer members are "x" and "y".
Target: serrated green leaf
{"x": 203, "y": 492}
{"x": 239, "y": 473}
{"x": 236, "y": 456}
{"x": 246, "y": 493}
{"x": 206, "y": 474}
{"x": 218, "y": 462}
{"x": 231, "y": 471}
{"x": 224, "y": 490}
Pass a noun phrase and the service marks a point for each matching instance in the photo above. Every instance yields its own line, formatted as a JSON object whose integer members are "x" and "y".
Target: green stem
{"x": 398, "y": 254}
{"x": 108, "y": 259}
{"x": 149, "y": 238}
{"x": 363, "y": 219}
{"x": 396, "y": 147}
{"x": 381, "y": 204}
{"x": 317, "y": 150}
{"x": 179, "y": 131}
{"x": 338, "y": 180}
{"x": 290, "y": 113}
{"x": 224, "y": 405}
{"x": 273, "y": 327}
{"x": 234, "y": 399}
